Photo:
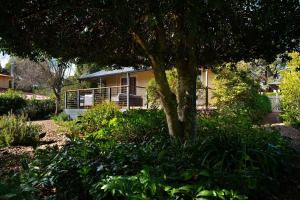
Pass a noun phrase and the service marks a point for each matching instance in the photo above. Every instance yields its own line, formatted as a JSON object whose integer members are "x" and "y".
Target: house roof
{"x": 106, "y": 73}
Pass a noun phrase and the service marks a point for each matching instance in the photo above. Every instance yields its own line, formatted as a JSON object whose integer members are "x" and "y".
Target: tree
{"x": 46, "y": 73}
{"x": 55, "y": 71}
{"x": 290, "y": 90}
{"x": 28, "y": 74}
{"x": 162, "y": 34}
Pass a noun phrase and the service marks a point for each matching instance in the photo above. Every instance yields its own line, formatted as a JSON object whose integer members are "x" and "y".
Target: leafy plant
{"x": 16, "y": 130}
{"x": 95, "y": 118}
{"x": 131, "y": 156}
{"x": 134, "y": 126}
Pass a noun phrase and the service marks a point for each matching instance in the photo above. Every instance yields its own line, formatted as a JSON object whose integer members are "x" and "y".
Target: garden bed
{"x": 11, "y": 157}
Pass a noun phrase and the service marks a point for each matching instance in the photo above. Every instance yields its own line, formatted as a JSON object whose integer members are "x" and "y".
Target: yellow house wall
{"x": 143, "y": 78}
{"x": 4, "y": 82}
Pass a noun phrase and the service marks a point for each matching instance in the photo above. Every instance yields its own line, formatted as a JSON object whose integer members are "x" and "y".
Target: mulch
{"x": 11, "y": 158}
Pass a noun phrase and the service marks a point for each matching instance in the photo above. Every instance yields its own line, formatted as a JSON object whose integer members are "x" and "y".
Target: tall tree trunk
{"x": 57, "y": 93}
{"x": 186, "y": 97}
{"x": 169, "y": 102}
{"x": 57, "y": 104}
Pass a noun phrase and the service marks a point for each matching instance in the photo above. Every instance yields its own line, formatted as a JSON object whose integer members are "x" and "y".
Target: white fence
{"x": 275, "y": 102}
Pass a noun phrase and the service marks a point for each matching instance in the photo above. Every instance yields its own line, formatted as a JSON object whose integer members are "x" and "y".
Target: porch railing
{"x": 124, "y": 96}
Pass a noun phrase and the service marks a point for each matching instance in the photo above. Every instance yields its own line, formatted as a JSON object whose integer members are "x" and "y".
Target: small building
{"x": 127, "y": 87}
{"x": 4, "y": 82}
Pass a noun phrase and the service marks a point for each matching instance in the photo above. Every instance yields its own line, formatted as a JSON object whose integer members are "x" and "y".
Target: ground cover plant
{"x": 16, "y": 130}
{"x": 131, "y": 156}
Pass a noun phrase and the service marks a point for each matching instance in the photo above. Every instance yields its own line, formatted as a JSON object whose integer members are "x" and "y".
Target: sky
{"x": 4, "y": 59}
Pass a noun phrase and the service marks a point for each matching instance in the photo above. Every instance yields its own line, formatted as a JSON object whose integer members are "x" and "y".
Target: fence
{"x": 275, "y": 102}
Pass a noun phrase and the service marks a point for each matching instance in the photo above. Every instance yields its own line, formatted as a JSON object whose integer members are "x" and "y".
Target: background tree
{"x": 160, "y": 34}
{"x": 290, "y": 90}
{"x": 56, "y": 71}
{"x": 237, "y": 88}
{"x": 28, "y": 74}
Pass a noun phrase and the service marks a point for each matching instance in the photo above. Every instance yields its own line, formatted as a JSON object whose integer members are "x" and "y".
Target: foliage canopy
{"x": 290, "y": 90}
{"x": 160, "y": 34}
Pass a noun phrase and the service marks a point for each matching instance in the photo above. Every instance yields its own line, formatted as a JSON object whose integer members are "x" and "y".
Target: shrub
{"x": 134, "y": 126}
{"x": 226, "y": 161}
{"x": 39, "y": 109}
{"x": 290, "y": 91}
{"x": 96, "y": 118}
{"x": 11, "y": 101}
{"x": 62, "y": 117}
{"x": 235, "y": 87}
{"x": 15, "y": 130}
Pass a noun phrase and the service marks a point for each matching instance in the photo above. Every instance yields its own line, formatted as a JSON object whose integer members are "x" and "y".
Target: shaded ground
{"x": 11, "y": 158}
{"x": 291, "y": 187}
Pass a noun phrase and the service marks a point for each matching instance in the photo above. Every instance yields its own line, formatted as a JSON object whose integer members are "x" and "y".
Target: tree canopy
{"x": 161, "y": 34}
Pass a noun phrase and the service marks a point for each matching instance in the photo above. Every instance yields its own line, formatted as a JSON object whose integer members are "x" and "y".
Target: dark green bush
{"x": 11, "y": 101}
{"x": 39, "y": 109}
{"x": 261, "y": 107}
{"x": 16, "y": 130}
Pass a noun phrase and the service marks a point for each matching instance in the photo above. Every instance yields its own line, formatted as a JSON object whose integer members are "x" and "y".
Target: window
{"x": 132, "y": 89}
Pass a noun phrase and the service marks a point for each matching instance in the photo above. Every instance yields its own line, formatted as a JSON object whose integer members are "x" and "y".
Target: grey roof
{"x": 105, "y": 73}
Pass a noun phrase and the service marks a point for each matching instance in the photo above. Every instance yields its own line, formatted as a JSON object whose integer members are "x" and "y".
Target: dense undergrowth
{"x": 131, "y": 156}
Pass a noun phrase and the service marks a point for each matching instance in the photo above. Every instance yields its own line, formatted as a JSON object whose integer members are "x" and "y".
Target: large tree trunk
{"x": 181, "y": 111}
{"x": 57, "y": 105}
{"x": 169, "y": 103}
{"x": 57, "y": 93}
{"x": 186, "y": 97}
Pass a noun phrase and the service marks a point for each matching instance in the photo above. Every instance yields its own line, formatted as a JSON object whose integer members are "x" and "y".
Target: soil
{"x": 11, "y": 158}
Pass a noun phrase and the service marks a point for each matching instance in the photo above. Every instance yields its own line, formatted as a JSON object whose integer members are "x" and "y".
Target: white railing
{"x": 86, "y": 98}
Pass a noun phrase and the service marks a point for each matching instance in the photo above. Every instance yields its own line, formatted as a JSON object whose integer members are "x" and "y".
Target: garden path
{"x": 292, "y": 187}
{"x": 54, "y": 134}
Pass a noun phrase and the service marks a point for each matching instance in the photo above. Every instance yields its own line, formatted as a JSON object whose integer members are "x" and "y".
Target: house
{"x": 4, "y": 82}
{"x": 127, "y": 87}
